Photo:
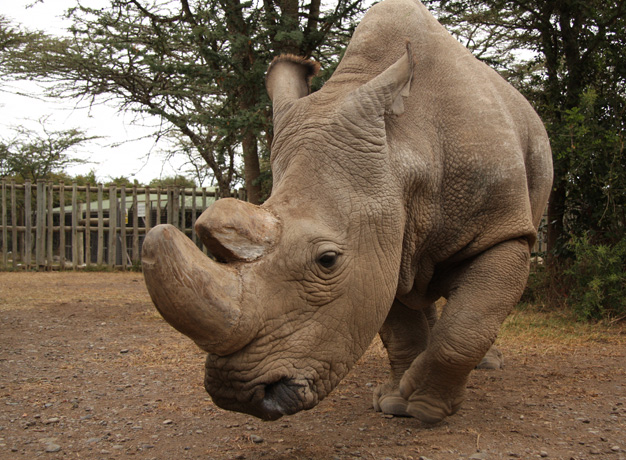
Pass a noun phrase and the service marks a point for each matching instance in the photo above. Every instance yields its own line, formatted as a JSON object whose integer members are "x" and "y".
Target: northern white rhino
{"x": 415, "y": 173}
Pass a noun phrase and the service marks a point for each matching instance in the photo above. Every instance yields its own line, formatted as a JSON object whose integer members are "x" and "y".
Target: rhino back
{"x": 471, "y": 152}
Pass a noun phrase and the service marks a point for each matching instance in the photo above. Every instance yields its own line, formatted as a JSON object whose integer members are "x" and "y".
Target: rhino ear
{"x": 392, "y": 86}
{"x": 288, "y": 78}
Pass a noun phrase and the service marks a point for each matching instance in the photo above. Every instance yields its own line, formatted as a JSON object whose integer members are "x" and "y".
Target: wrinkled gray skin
{"x": 416, "y": 172}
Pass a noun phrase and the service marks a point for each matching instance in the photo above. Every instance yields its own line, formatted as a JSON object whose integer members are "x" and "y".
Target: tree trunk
{"x": 556, "y": 211}
{"x": 251, "y": 168}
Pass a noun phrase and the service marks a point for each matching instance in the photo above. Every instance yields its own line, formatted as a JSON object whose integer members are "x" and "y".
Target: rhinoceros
{"x": 416, "y": 172}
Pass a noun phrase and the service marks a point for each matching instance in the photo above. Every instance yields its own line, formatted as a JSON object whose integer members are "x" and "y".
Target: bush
{"x": 598, "y": 280}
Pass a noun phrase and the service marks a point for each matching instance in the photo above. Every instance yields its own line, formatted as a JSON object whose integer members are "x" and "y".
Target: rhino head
{"x": 300, "y": 285}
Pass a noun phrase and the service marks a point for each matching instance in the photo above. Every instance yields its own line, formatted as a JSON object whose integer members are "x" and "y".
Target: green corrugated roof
{"x": 141, "y": 199}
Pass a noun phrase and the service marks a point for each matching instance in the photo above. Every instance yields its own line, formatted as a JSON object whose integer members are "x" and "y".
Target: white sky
{"x": 136, "y": 159}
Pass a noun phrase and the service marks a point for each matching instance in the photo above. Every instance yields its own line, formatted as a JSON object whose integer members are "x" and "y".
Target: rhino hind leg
{"x": 405, "y": 334}
{"x": 493, "y": 359}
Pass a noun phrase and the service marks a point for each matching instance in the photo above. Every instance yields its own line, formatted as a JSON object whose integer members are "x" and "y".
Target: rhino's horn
{"x": 288, "y": 78}
{"x": 234, "y": 230}
{"x": 198, "y": 296}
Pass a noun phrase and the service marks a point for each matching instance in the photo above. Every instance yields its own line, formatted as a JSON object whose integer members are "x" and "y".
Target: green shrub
{"x": 597, "y": 278}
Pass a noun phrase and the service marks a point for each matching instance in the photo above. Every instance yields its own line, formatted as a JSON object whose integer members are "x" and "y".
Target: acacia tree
{"x": 197, "y": 64}
{"x": 35, "y": 155}
{"x": 575, "y": 75}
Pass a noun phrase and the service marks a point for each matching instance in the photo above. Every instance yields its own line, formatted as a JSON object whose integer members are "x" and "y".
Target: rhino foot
{"x": 425, "y": 408}
{"x": 387, "y": 400}
{"x": 432, "y": 410}
{"x": 493, "y": 359}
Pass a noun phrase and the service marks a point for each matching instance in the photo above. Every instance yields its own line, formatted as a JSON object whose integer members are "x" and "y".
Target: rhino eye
{"x": 328, "y": 259}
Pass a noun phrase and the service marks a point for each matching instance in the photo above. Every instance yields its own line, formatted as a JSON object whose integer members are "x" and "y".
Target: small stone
{"x": 615, "y": 448}
{"x": 543, "y": 454}
{"x": 256, "y": 439}
{"x": 52, "y": 448}
{"x": 478, "y": 456}
{"x": 52, "y": 420}
{"x": 168, "y": 422}
{"x": 125, "y": 350}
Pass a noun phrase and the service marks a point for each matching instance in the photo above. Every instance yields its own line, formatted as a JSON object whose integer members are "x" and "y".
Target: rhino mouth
{"x": 268, "y": 401}
{"x": 288, "y": 396}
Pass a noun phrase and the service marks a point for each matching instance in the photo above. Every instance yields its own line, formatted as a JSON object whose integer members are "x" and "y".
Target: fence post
{"x": 169, "y": 205}
{"x": 193, "y": 216}
{"x": 50, "y": 236}
{"x": 135, "y": 227}
{"x": 75, "y": 250}
{"x": 62, "y": 225}
{"x": 40, "y": 227}
{"x": 148, "y": 212}
{"x": 201, "y": 244}
{"x": 159, "y": 207}
{"x": 123, "y": 222}
{"x": 112, "y": 224}
{"x": 5, "y": 233}
{"x": 28, "y": 224}
{"x": 182, "y": 222}
{"x": 100, "y": 257}
{"x": 88, "y": 225}
{"x": 176, "y": 207}
{"x": 14, "y": 248}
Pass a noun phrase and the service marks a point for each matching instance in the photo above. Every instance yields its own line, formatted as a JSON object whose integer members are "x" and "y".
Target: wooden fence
{"x": 46, "y": 226}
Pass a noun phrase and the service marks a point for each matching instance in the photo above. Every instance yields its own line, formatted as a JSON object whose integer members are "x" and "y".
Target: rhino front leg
{"x": 405, "y": 334}
{"x": 480, "y": 296}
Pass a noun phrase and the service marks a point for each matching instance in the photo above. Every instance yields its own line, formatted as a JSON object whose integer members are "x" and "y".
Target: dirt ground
{"x": 89, "y": 370}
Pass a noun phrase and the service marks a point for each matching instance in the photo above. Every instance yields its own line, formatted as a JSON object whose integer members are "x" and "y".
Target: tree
{"x": 37, "y": 155}
{"x": 123, "y": 181}
{"x": 199, "y": 65}
{"x": 575, "y": 75}
{"x": 175, "y": 181}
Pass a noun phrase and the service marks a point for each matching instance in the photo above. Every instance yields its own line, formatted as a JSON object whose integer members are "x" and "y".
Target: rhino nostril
{"x": 284, "y": 396}
{"x": 280, "y": 390}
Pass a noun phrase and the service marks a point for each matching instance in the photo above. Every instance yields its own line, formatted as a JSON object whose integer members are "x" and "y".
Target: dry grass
{"x": 530, "y": 327}
{"x": 23, "y": 291}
